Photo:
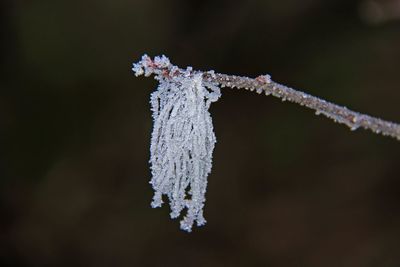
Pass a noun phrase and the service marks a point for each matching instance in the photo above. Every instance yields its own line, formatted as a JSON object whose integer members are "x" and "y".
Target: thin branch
{"x": 339, "y": 114}
{"x": 264, "y": 84}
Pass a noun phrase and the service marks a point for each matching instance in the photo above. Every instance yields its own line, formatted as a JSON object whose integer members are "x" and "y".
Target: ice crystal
{"x": 182, "y": 140}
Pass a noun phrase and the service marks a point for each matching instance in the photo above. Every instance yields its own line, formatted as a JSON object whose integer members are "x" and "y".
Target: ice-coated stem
{"x": 264, "y": 84}
{"x": 340, "y": 114}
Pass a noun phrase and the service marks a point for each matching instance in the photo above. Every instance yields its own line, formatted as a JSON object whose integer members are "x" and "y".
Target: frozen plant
{"x": 183, "y": 140}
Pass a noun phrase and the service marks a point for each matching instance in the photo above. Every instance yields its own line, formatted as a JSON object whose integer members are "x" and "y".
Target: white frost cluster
{"x": 183, "y": 140}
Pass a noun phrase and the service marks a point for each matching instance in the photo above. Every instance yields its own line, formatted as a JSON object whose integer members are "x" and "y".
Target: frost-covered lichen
{"x": 182, "y": 140}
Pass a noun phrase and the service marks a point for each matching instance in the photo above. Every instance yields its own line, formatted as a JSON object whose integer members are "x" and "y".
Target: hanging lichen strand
{"x": 183, "y": 140}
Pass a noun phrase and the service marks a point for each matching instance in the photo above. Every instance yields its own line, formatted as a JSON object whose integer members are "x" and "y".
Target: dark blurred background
{"x": 287, "y": 188}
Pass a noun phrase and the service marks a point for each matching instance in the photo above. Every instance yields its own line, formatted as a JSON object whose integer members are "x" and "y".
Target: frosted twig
{"x": 264, "y": 84}
{"x": 183, "y": 139}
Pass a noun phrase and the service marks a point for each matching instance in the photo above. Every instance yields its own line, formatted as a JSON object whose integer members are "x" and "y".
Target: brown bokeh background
{"x": 287, "y": 188}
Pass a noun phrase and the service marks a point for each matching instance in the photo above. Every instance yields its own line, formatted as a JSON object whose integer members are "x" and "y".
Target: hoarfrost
{"x": 182, "y": 140}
